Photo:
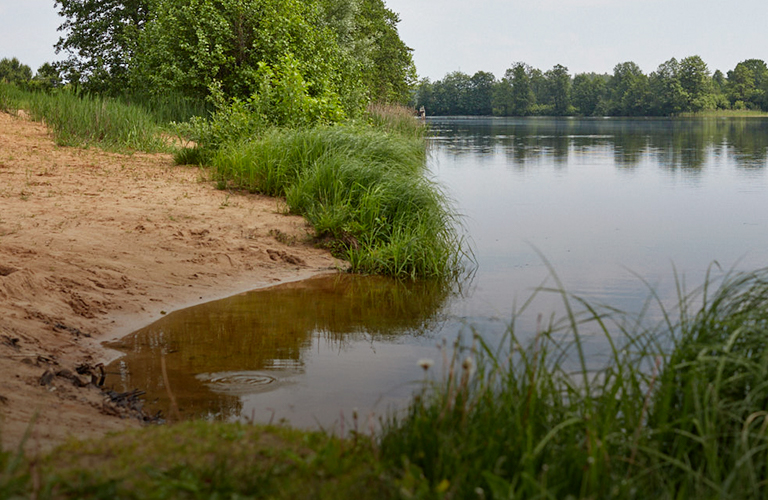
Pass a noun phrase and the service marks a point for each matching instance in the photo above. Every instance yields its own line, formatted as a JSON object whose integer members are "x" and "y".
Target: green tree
{"x": 629, "y": 90}
{"x": 388, "y": 70}
{"x": 47, "y": 77}
{"x": 586, "y": 92}
{"x": 100, "y": 40}
{"x": 481, "y": 93}
{"x": 559, "y": 90}
{"x": 367, "y": 32}
{"x": 424, "y": 95}
{"x": 696, "y": 83}
{"x": 667, "y": 94}
{"x": 748, "y": 84}
{"x": 275, "y": 51}
{"x": 522, "y": 98}
{"x": 540, "y": 88}
{"x": 741, "y": 85}
{"x": 13, "y": 71}
{"x": 718, "y": 79}
{"x": 501, "y": 98}
{"x": 455, "y": 91}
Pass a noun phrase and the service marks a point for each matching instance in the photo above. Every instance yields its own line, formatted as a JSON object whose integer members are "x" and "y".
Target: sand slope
{"x": 94, "y": 245}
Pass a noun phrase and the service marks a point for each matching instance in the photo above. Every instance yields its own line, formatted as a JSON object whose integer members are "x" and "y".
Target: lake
{"x": 611, "y": 206}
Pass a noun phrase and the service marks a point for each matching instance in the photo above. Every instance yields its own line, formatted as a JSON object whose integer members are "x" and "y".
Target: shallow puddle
{"x": 281, "y": 352}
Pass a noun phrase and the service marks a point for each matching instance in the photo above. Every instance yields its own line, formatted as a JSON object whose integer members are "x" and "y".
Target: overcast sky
{"x": 490, "y": 35}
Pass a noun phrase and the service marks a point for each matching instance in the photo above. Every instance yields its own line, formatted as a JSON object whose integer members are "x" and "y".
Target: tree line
{"x": 684, "y": 86}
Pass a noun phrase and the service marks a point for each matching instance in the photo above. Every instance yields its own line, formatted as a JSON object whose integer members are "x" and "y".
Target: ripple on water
{"x": 240, "y": 383}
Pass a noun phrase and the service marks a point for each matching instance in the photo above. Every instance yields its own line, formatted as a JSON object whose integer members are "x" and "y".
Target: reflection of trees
{"x": 268, "y": 329}
{"x": 748, "y": 139}
{"x": 685, "y": 144}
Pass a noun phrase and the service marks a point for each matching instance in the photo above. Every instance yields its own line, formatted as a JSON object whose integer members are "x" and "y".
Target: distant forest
{"x": 676, "y": 87}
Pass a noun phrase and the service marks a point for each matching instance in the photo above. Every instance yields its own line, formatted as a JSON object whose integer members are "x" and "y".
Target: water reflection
{"x": 671, "y": 143}
{"x": 608, "y": 202}
{"x": 252, "y": 343}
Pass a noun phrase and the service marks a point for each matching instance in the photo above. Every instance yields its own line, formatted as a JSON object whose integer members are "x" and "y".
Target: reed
{"x": 678, "y": 410}
{"x": 84, "y": 120}
{"x": 396, "y": 118}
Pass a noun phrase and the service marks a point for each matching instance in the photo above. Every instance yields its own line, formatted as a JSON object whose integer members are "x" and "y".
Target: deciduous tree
{"x": 100, "y": 39}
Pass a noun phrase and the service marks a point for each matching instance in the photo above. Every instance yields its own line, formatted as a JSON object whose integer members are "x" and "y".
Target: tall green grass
{"x": 395, "y": 118}
{"x": 129, "y": 123}
{"x": 680, "y": 410}
{"x": 83, "y": 120}
{"x": 365, "y": 191}
{"x": 168, "y": 108}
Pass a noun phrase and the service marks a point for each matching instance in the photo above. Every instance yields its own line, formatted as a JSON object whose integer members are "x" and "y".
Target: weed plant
{"x": 83, "y": 120}
{"x": 77, "y": 120}
{"x": 679, "y": 410}
{"x": 364, "y": 190}
{"x": 169, "y": 108}
{"x": 10, "y": 97}
{"x": 396, "y": 118}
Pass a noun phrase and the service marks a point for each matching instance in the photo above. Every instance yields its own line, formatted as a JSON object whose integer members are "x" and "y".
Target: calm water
{"x": 604, "y": 201}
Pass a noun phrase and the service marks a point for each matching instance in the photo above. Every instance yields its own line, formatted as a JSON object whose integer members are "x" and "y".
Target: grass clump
{"x": 365, "y": 191}
{"x": 677, "y": 411}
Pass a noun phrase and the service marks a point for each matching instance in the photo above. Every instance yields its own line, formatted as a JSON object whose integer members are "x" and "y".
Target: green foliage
{"x": 747, "y": 85}
{"x": 558, "y": 90}
{"x": 100, "y": 39}
{"x": 282, "y": 99}
{"x": 364, "y": 191}
{"x": 12, "y": 71}
{"x": 190, "y": 46}
{"x": 346, "y": 53}
{"x": 586, "y": 93}
{"x": 696, "y": 83}
{"x": 47, "y": 78}
{"x": 523, "y": 97}
{"x": 367, "y": 33}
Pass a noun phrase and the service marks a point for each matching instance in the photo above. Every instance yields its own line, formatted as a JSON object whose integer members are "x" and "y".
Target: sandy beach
{"x": 94, "y": 245}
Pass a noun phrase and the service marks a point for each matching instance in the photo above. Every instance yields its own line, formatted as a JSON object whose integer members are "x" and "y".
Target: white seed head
{"x": 426, "y": 363}
{"x": 468, "y": 364}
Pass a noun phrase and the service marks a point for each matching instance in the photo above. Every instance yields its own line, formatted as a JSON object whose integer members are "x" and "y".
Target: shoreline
{"x": 130, "y": 323}
{"x": 93, "y": 246}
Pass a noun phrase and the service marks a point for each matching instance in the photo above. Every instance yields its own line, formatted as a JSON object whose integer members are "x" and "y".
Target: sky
{"x": 491, "y": 35}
